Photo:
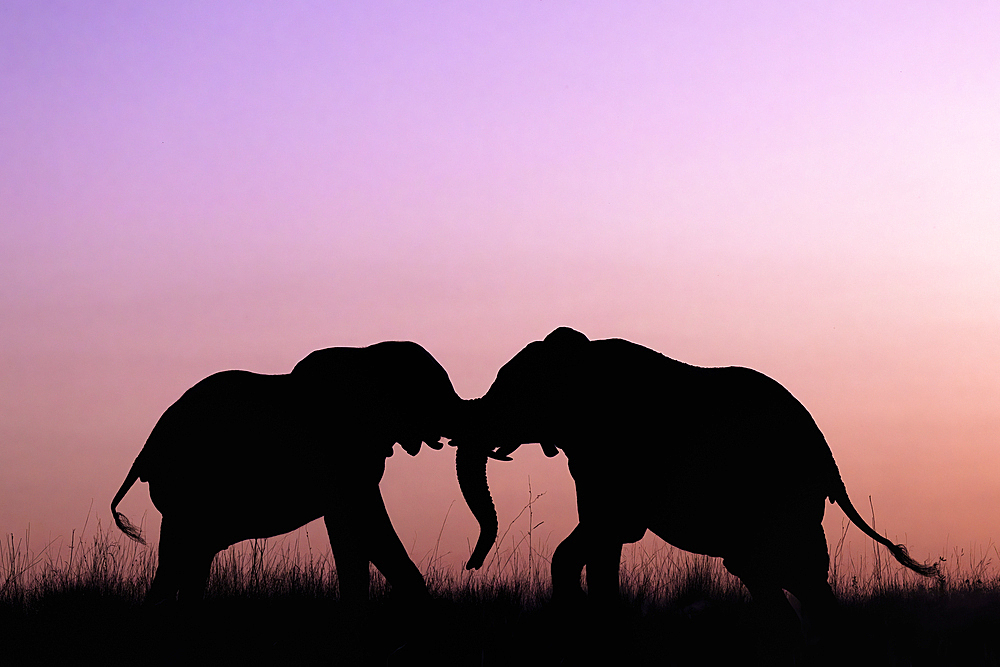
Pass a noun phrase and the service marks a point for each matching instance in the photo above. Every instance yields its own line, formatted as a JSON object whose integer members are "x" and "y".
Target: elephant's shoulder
{"x": 634, "y": 358}
{"x": 399, "y": 347}
{"x": 739, "y": 380}
{"x": 228, "y": 383}
{"x": 378, "y": 360}
{"x": 330, "y": 359}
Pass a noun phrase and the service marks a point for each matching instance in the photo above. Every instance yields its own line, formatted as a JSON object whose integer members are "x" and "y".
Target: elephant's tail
{"x": 898, "y": 551}
{"x": 126, "y": 526}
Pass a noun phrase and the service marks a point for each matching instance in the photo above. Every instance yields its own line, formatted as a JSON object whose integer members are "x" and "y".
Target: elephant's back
{"x": 732, "y": 429}
{"x": 384, "y": 368}
{"x": 759, "y": 440}
{"x": 718, "y": 447}
{"x": 233, "y": 423}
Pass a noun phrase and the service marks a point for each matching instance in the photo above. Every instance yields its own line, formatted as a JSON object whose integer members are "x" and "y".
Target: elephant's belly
{"x": 708, "y": 540}
{"x": 233, "y": 514}
{"x": 724, "y": 524}
{"x": 247, "y": 526}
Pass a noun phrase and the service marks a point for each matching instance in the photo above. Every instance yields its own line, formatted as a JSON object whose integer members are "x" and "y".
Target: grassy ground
{"x": 277, "y": 603}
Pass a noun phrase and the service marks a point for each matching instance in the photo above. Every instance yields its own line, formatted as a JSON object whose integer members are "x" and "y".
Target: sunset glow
{"x": 810, "y": 190}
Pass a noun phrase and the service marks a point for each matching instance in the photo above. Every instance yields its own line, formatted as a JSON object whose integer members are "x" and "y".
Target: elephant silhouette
{"x": 242, "y": 455}
{"x": 717, "y": 461}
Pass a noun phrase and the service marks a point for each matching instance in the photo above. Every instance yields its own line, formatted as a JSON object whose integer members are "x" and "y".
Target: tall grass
{"x": 271, "y": 599}
{"x": 104, "y": 562}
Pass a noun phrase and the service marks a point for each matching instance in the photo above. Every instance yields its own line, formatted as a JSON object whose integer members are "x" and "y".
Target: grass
{"x": 275, "y": 601}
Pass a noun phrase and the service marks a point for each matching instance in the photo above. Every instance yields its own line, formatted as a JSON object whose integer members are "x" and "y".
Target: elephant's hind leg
{"x": 183, "y": 566}
{"x": 808, "y": 580}
{"x": 779, "y": 631}
{"x": 194, "y": 576}
{"x": 164, "y": 586}
{"x": 166, "y": 581}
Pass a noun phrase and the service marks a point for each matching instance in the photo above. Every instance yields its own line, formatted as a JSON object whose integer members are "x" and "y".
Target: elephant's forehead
{"x": 534, "y": 359}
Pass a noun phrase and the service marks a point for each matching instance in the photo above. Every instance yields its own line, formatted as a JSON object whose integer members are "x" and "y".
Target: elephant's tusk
{"x": 505, "y": 451}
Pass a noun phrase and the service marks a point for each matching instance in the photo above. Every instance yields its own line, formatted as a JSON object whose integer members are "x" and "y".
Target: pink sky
{"x": 807, "y": 189}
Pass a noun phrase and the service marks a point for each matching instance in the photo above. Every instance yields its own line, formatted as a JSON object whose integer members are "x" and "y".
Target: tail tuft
{"x": 129, "y": 528}
{"x": 126, "y": 526}
{"x": 900, "y": 553}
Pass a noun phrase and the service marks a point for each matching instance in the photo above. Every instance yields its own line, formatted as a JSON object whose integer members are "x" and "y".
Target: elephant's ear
{"x": 566, "y": 336}
{"x": 563, "y": 359}
{"x": 410, "y": 445}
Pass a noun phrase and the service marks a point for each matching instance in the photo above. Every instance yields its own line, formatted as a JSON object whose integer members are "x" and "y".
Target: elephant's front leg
{"x": 567, "y": 566}
{"x": 347, "y": 540}
{"x": 603, "y": 563}
{"x": 361, "y": 532}
{"x": 388, "y": 553}
{"x": 599, "y": 552}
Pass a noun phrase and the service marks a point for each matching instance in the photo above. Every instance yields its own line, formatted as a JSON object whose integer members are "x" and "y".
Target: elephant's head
{"x": 422, "y": 405}
{"x": 395, "y": 391}
{"x": 530, "y": 401}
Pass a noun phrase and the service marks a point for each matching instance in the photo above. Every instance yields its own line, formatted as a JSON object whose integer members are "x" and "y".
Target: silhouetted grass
{"x": 276, "y": 601}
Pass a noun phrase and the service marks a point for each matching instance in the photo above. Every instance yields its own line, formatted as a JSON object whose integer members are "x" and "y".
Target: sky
{"x": 809, "y": 189}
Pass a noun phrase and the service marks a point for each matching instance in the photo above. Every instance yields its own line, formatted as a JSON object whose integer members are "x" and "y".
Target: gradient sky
{"x": 810, "y": 189}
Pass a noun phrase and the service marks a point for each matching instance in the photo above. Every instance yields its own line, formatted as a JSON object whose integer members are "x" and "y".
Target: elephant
{"x": 242, "y": 455}
{"x": 717, "y": 461}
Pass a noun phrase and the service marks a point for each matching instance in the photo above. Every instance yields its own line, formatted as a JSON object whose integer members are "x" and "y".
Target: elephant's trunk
{"x": 470, "y": 463}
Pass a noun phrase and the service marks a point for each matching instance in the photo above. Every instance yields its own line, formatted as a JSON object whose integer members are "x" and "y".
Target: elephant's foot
{"x": 568, "y": 598}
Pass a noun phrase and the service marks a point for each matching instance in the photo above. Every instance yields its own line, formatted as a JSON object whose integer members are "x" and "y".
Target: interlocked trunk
{"x": 470, "y": 464}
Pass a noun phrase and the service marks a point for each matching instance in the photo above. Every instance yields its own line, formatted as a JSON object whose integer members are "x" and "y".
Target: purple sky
{"x": 808, "y": 189}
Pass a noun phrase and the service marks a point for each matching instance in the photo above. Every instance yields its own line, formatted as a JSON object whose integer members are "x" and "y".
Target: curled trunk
{"x": 470, "y": 462}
